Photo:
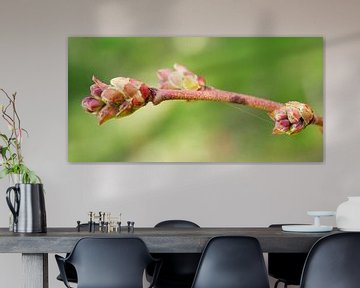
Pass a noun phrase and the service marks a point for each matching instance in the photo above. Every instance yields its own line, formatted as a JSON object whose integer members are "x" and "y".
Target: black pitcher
{"x": 28, "y": 207}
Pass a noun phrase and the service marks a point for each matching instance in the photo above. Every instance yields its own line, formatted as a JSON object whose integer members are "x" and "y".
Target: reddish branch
{"x": 160, "y": 95}
{"x": 124, "y": 96}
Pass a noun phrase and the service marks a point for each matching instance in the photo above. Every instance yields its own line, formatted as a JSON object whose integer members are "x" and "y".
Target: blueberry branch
{"x": 125, "y": 95}
{"x": 214, "y": 95}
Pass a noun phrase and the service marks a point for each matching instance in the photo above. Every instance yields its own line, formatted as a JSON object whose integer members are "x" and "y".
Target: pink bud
{"x": 125, "y": 109}
{"x": 163, "y": 74}
{"x": 291, "y": 118}
{"x": 296, "y": 128}
{"x": 106, "y": 113}
{"x": 97, "y": 88}
{"x": 137, "y": 100}
{"x": 135, "y": 83}
{"x": 121, "y": 98}
{"x": 284, "y": 123}
{"x": 280, "y": 115}
{"x": 101, "y": 85}
{"x": 181, "y": 69}
{"x": 180, "y": 78}
{"x": 281, "y": 127}
{"x": 138, "y": 92}
{"x": 91, "y": 105}
{"x": 112, "y": 96}
{"x": 307, "y": 114}
{"x": 201, "y": 81}
{"x": 304, "y": 111}
{"x": 145, "y": 91}
{"x": 293, "y": 115}
{"x": 130, "y": 90}
{"x": 175, "y": 80}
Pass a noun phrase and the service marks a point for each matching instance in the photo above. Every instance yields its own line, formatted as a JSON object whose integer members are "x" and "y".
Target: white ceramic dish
{"x": 350, "y": 229}
{"x": 321, "y": 213}
{"x": 306, "y": 228}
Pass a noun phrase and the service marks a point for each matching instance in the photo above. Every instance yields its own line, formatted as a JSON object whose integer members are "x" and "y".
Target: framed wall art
{"x": 195, "y": 99}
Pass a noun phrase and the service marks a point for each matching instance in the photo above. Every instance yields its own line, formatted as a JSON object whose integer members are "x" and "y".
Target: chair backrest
{"x": 176, "y": 224}
{"x": 110, "y": 262}
{"x": 286, "y": 267}
{"x": 333, "y": 262}
{"x": 178, "y": 269}
{"x": 232, "y": 262}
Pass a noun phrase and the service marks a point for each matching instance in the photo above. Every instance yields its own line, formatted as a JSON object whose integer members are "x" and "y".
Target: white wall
{"x": 33, "y": 62}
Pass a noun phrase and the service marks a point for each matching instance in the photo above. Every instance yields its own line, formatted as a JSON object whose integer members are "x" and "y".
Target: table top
{"x": 158, "y": 240}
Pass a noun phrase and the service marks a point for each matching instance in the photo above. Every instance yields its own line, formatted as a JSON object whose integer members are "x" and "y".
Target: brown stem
{"x": 160, "y": 95}
{"x": 318, "y": 120}
{"x": 6, "y": 117}
{"x": 15, "y": 126}
{"x": 215, "y": 95}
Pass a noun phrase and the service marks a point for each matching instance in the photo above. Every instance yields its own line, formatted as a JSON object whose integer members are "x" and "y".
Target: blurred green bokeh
{"x": 277, "y": 68}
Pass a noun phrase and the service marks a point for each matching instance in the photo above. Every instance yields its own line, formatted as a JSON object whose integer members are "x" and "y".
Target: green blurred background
{"x": 277, "y": 68}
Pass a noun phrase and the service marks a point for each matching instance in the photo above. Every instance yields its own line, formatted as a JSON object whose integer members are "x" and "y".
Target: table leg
{"x": 35, "y": 270}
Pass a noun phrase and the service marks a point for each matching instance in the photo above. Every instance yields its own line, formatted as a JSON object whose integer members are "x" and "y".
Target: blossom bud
{"x": 130, "y": 90}
{"x": 180, "y": 78}
{"x": 292, "y": 118}
{"x": 280, "y": 115}
{"x": 91, "y": 104}
{"x": 281, "y": 127}
{"x": 305, "y": 112}
{"x": 112, "y": 96}
{"x": 125, "y": 109}
{"x": 293, "y": 115}
{"x": 163, "y": 74}
{"x": 119, "y": 82}
{"x": 134, "y": 90}
{"x": 98, "y": 87}
{"x": 95, "y": 90}
{"x": 122, "y": 97}
{"x": 106, "y": 113}
{"x": 201, "y": 81}
{"x": 296, "y": 128}
{"x": 145, "y": 91}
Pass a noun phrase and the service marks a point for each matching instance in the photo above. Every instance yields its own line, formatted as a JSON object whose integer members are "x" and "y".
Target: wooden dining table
{"x": 35, "y": 247}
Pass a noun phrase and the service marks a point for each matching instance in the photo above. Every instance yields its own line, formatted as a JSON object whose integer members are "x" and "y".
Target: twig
{"x": 160, "y": 95}
{"x": 123, "y": 96}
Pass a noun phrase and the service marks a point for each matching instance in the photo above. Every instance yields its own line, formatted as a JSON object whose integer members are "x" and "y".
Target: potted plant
{"x": 26, "y": 197}
{"x": 12, "y": 161}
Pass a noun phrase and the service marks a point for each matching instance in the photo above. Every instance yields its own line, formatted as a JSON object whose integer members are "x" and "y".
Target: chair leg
{"x": 278, "y": 282}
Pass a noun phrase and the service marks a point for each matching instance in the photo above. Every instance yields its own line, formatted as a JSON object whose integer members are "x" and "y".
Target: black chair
{"x": 108, "y": 263}
{"x": 176, "y": 224}
{"x": 333, "y": 262}
{"x": 232, "y": 262}
{"x": 178, "y": 269}
{"x": 69, "y": 269}
{"x": 286, "y": 267}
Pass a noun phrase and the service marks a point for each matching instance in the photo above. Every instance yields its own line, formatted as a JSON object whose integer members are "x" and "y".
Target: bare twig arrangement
{"x": 11, "y": 156}
{"x": 14, "y": 124}
{"x": 123, "y": 96}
